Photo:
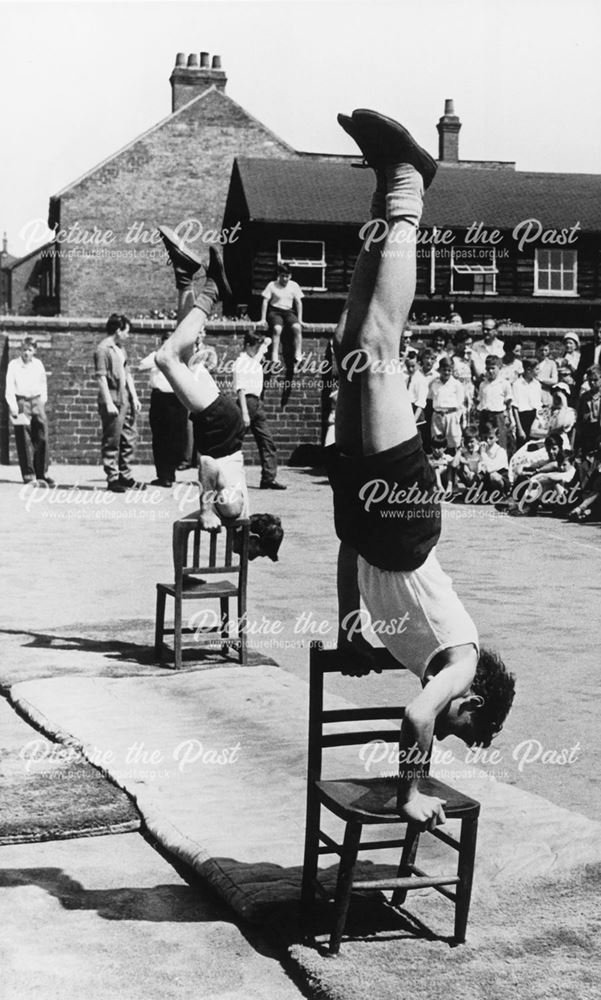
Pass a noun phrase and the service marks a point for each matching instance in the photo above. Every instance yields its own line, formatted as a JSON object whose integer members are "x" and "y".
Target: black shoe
{"x": 47, "y": 480}
{"x": 216, "y": 272}
{"x": 114, "y": 486}
{"x": 363, "y": 140}
{"x": 185, "y": 262}
{"x": 29, "y": 479}
{"x": 167, "y": 483}
{"x": 273, "y": 486}
{"x": 183, "y": 466}
{"x": 131, "y": 484}
{"x": 384, "y": 141}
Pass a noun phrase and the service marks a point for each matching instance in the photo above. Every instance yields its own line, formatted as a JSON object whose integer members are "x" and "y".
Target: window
{"x": 473, "y": 271}
{"x": 555, "y": 272}
{"x": 307, "y": 261}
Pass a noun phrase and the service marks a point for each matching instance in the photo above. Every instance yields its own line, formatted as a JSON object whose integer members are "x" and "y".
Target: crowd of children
{"x": 518, "y": 432}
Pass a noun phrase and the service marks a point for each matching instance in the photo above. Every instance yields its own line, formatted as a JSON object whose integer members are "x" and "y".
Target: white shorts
{"x": 415, "y": 614}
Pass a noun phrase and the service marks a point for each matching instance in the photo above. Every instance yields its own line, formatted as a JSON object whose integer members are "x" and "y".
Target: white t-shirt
{"x": 282, "y": 296}
{"x": 247, "y": 374}
{"x": 421, "y": 609}
{"x": 449, "y": 395}
{"x": 493, "y": 395}
{"x": 527, "y": 395}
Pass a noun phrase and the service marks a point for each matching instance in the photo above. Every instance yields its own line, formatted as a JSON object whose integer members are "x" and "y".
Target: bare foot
{"x": 209, "y": 521}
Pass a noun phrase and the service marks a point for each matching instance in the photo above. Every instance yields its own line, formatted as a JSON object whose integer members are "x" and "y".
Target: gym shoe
{"x": 216, "y": 272}
{"x": 273, "y": 486}
{"x": 114, "y": 486}
{"x": 131, "y": 484}
{"x": 384, "y": 141}
{"x": 185, "y": 262}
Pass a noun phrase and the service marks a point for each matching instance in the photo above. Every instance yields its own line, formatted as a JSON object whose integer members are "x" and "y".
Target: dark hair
{"x": 268, "y": 528}
{"x": 116, "y": 322}
{"x": 490, "y": 429}
{"x": 439, "y": 442}
{"x": 252, "y": 339}
{"x": 593, "y": 370}
{"x": 557, "y": 440}
{"x": 284, "y": 269}
{"x": 528, "y": 364}
{"x": 471, "y": 433}
{"x": 496, "y": 686}
{"x": 28, "y": 342}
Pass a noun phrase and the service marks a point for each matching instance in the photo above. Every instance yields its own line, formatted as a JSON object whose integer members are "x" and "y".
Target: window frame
{"x": 555, "y": 292}
{"x": 474, "y": 270}
{"x": 304, "y": 262}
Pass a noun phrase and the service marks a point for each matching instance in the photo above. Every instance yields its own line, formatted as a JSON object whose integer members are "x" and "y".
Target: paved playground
{"x": 79, "y": 604}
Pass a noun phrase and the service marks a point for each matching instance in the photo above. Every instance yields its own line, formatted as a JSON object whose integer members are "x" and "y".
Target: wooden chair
{"x": 365, "y": 800}
{"x": 190, "y": 585}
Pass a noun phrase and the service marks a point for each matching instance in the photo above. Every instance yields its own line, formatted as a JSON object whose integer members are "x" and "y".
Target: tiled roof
{"x": 309, "y": 191}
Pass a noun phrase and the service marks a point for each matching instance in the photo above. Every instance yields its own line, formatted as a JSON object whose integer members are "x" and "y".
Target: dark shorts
{"x": 386, "y": 506}
{"x": 286, "y": 316}
{"x": 218, "y": 430}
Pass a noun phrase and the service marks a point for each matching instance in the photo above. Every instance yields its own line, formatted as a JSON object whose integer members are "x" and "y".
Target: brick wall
{"x": 66, "y": 348}
{"x": 178, "y": 170}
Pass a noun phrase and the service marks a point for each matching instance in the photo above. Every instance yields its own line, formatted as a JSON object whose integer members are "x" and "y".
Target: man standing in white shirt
{"x": 490, "y": 344}
{"x": 282, "y": 309}
{"x": 26, "y": 395}
{"x": 248, "y": 387}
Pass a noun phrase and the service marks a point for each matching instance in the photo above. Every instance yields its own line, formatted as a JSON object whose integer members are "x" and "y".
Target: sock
{"x": 208, "y": 297}
{"x": 404, "y": 199}
{"x": 378, "y": 201}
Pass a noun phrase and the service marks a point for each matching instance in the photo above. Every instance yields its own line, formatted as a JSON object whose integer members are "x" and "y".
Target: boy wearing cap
{"x": 386, "y": 514}
{"x": 571, "y": 354}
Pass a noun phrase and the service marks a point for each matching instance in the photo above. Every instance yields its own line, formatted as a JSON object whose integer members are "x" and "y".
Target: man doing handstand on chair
{"x": 386, "y": 510}
{"x": 216, "y": 420}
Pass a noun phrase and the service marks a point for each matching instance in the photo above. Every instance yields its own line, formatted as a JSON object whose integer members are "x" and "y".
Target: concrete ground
{"x": 79, "y": 599}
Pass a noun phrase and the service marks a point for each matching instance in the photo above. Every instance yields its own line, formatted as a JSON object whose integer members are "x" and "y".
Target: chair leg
{"x": 344, "y": 885}
{"x": 311, "y": 857}
{"x": 224, "y": 606}
{"x": 159, "y": 624}
{"x": 465, "y": 872}
{"x": 407, "y": 858}
{"x": 242, "y": 632}
{"x": 177, "y": 634}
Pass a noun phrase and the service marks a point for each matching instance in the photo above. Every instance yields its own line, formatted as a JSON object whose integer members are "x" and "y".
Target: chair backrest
{"x": 212, "y": 552}
{"x": 322, "y": 734}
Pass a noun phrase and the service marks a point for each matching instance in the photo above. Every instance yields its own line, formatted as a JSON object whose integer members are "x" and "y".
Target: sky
{"x": 80, "y": 80}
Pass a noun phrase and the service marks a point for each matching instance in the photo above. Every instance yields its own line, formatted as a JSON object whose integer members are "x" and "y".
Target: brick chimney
{"x": 448, "y": 134}
{"x": 192, "y": 75}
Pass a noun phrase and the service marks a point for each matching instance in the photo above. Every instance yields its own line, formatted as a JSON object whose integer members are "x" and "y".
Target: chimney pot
{"x": 193, "y": 59}
{"x": 180, "y": 59}
{"x": 204, "y": 60}
{"x": 448, "y": 129}
{"x": 216, "y": 64}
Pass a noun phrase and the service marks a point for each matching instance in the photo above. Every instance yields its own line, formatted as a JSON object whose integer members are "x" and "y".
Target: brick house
{"x": 107, "y": 255}
{"x": 493, "y": 240}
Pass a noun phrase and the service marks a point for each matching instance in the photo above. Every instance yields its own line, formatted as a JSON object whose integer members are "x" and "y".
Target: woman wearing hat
{"x": 571, "y": 351}
{"x": 562, "y": 417}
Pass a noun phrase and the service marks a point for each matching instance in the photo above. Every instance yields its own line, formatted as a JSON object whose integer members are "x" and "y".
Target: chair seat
{"x": 374, "y": 800}
{"x": 195, "y": 588}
